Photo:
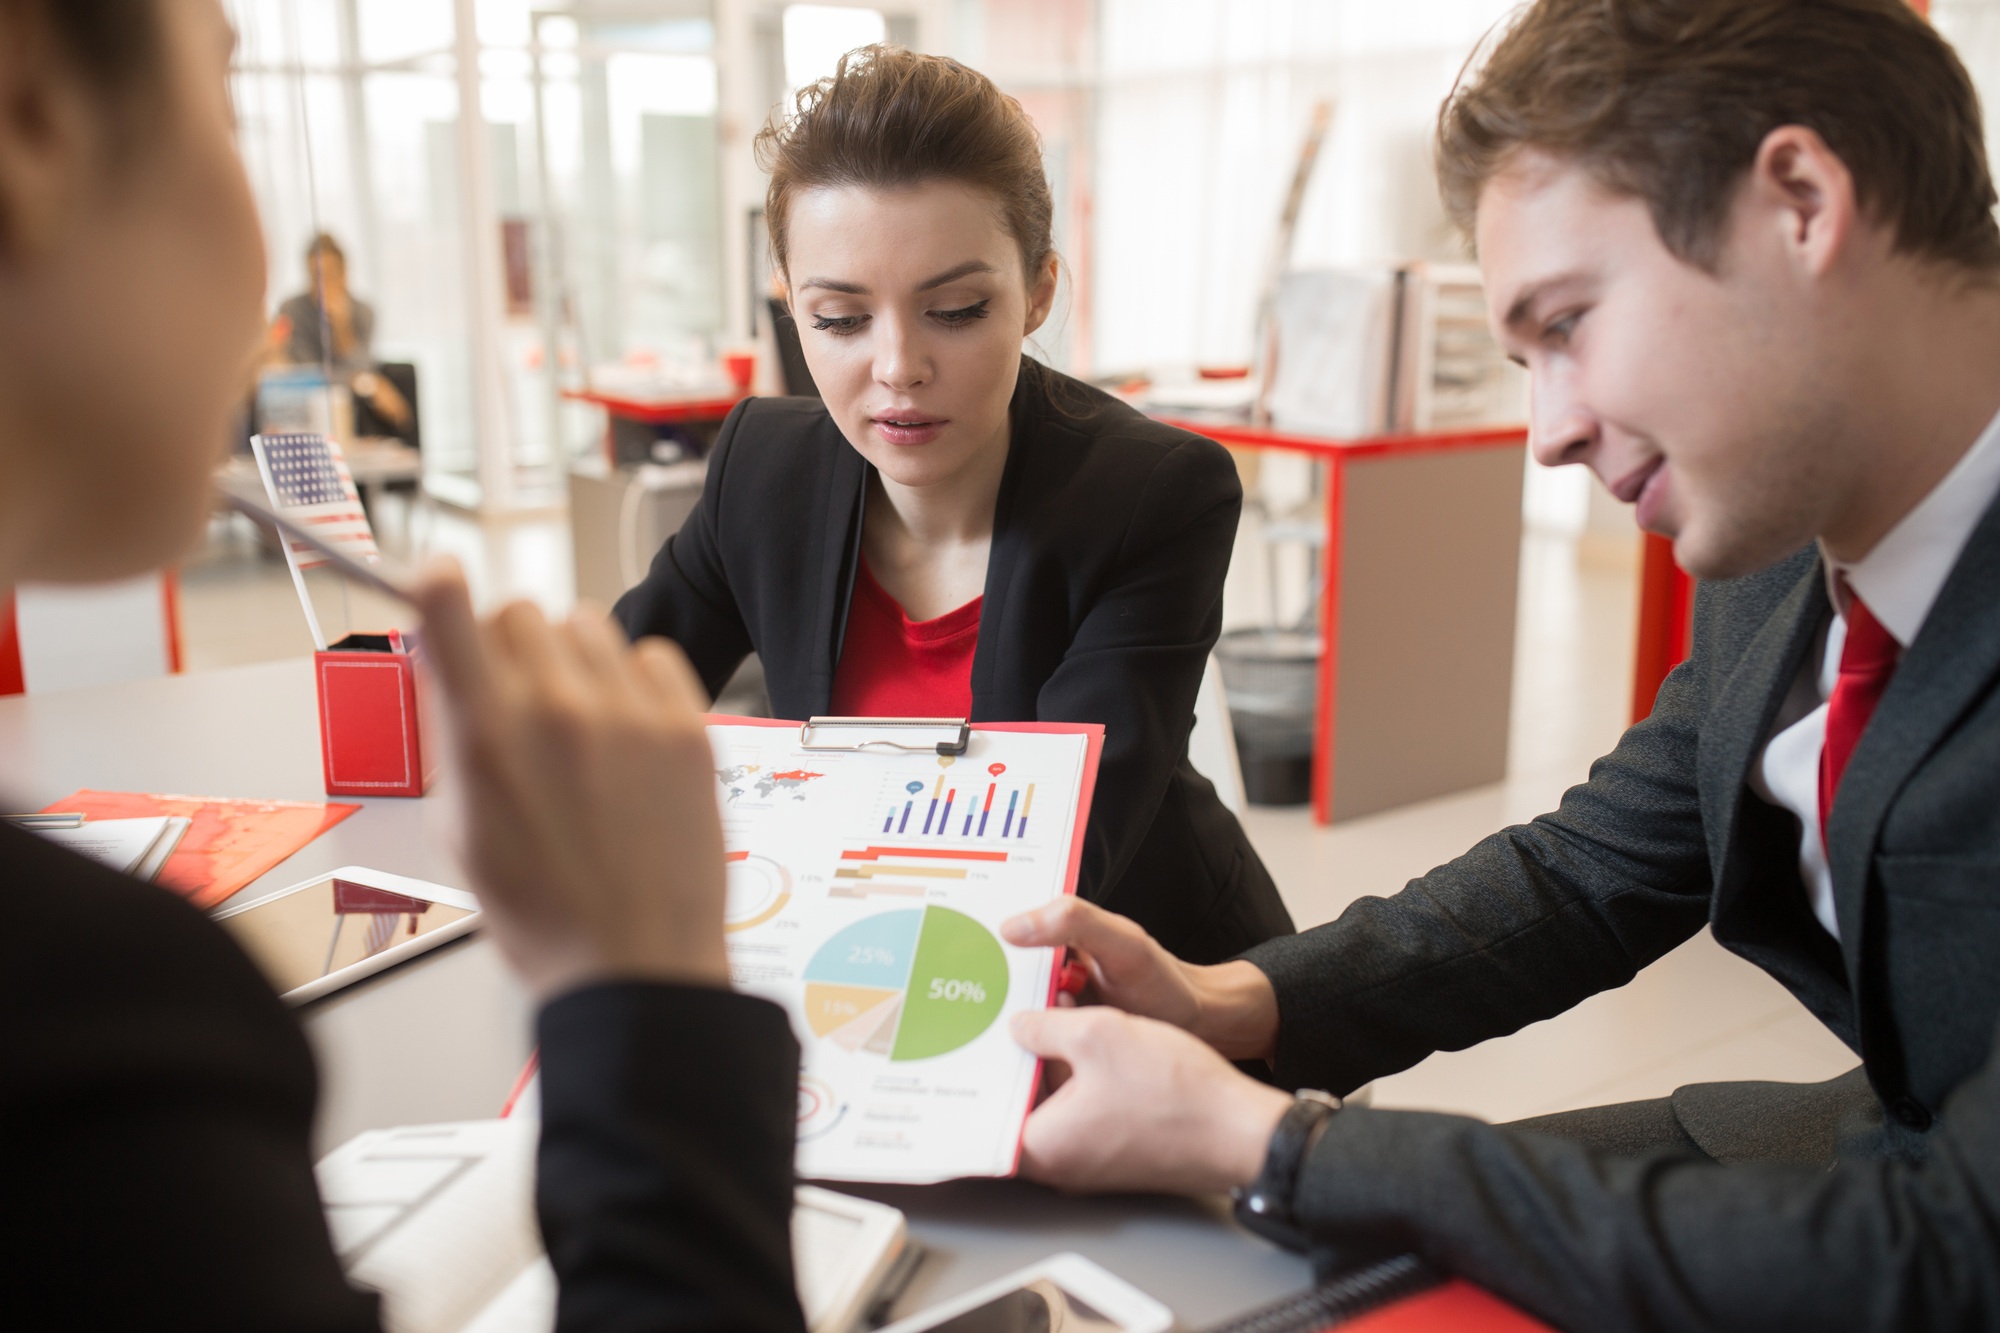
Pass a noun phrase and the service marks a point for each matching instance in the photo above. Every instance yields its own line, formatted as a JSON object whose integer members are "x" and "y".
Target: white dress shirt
{"x": 1899, "y": 580}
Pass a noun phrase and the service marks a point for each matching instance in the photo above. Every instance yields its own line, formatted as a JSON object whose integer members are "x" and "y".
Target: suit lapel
{"x": 838, "y": 543}
{"x": 1955, "y": 656}
{"x": 1024, "y": 434}
{"x": 1739, "y": 723}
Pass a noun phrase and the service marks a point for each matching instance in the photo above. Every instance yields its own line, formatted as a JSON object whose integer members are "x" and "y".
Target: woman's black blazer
{"x": 1111, "y": 537}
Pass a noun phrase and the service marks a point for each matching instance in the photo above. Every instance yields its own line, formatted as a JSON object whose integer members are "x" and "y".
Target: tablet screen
{"x": 332, "y": 924}
{"x": 1039, "y": 1306}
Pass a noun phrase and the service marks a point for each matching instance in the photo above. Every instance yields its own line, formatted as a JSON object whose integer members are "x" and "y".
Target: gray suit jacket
{"x": 1903, "y": 1231}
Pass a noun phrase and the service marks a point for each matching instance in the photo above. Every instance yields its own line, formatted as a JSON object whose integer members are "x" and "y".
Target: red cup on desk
{"x": 741, "y": 367}
{"x": 372, "y": 738}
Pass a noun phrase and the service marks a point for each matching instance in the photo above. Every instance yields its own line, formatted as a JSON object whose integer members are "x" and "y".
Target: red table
{"x": 1666, "y": 622}
{"x": 1397, "y": 756}
{"x": 689, "y": 410}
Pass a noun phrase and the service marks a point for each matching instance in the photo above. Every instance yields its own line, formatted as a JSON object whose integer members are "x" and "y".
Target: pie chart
{"x": 906, "y": 985}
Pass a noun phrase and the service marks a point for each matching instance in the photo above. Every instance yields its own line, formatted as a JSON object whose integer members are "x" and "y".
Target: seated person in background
{"x": 957, "y": 530}
{"x": 334, "y": 329}
{"x": 156, "y": 1097}
{"x": 1747, "y": 251}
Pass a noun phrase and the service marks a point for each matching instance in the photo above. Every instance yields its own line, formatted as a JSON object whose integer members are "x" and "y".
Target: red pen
{"x": 1073, "y": 978}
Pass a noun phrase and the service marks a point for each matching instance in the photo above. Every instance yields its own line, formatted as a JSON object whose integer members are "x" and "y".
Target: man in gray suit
{"x": 1747, "y": 251}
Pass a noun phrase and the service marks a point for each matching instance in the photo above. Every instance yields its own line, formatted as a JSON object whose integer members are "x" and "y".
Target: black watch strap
{"x": 1265, "y": 1205}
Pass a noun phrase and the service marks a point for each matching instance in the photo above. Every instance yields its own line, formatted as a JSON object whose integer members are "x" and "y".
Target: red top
{"x": 892, "y": 666}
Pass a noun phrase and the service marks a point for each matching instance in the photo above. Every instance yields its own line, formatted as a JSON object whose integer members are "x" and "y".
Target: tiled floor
{"x": 1698, "y": 1014}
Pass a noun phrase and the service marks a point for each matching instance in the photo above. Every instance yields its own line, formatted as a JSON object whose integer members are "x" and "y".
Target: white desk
{"x": 443, "y": 1037}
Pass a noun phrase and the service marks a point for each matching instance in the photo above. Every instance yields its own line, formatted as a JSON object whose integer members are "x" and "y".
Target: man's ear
{"x": 46, "y": 139}
{"x": 1807, "y": 192}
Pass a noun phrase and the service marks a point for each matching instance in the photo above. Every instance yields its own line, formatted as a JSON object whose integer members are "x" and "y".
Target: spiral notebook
{"x": 1399, "y": 1295}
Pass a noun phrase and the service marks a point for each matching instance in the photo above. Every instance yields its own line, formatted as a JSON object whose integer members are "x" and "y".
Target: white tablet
{"x": 337, "y": 928}
{"x": 1065, "y": 1293}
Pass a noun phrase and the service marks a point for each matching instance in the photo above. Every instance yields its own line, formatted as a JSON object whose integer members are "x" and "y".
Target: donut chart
{"x": 759, "y": 888}
{"x": 906, "y": 985}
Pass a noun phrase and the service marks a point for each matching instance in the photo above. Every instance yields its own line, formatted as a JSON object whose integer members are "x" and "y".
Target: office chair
{"x": 403, "y": 375}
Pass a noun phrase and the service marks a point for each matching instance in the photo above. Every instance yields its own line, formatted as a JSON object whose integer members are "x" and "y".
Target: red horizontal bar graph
{"x": 933, "y": 853}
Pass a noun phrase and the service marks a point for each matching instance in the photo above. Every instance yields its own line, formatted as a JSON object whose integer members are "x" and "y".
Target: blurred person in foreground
{"x": 1747, "y": 251}
{"x": 156, "y": 1097}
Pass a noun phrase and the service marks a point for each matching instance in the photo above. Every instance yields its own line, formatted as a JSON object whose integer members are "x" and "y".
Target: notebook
{"x": 136, "y": 847}
{"x": 440, "y": 1220}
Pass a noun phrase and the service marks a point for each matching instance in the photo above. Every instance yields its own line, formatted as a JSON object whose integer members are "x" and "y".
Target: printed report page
{"x": 865, "y": 894}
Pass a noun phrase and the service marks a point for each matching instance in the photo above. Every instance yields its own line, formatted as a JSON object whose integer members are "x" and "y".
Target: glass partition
{"x": 574, "y": 225}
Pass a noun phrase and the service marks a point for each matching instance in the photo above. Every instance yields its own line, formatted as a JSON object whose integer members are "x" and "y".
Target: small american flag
{"x": 309, "y": 484}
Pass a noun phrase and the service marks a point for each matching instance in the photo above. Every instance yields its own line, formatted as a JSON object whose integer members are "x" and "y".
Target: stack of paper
{"x": 136, "y": 847}
{"x": 440, "y": 1220}
{"x": 230, "y": 842}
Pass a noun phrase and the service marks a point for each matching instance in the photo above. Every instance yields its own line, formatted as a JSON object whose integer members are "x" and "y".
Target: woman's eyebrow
{"x": 952, "y": 274}
{"x": 967, "y": 269}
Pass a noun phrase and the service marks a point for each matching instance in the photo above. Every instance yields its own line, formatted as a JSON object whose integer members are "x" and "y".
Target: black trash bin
{"x": 1271, "y": 678}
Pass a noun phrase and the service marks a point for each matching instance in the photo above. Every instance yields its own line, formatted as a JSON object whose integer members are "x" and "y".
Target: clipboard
{"x": 867, "y": 903}
{"x": 915, "y": 735}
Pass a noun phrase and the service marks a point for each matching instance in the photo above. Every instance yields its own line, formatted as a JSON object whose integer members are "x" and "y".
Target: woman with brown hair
{"x": 956, "y": 530}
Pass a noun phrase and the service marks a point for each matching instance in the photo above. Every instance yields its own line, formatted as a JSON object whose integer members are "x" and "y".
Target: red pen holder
{"x": 372, "y": 738}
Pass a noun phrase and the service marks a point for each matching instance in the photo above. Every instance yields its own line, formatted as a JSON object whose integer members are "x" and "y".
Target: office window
{"x": 1202, "y": 107}
{"x": 590, "y": 234}
{"x": 816, "y": 36}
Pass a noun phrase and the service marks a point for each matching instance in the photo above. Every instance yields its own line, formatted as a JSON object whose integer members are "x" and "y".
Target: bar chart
{"x": 995, "y": 809}
{"x": 873, "y": 871}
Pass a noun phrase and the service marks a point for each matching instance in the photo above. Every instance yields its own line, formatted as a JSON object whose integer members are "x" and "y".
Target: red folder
{"x": 1455, "y": 1307}
{"x": 228, "y": 844}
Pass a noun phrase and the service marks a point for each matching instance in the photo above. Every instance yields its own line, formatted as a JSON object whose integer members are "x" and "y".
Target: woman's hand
{"x": 584, "y": 770}
{"x": 1231, "y": 1006}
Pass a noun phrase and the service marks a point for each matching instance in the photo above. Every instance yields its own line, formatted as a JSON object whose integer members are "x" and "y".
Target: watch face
{"x": 1254, "y": 1212}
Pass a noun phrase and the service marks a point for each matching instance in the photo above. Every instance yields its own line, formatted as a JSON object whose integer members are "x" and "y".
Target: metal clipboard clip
{"x": 947, "y": 735}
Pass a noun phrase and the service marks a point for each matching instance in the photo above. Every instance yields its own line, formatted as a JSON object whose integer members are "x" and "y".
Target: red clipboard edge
{"x": 1087, "y": 788}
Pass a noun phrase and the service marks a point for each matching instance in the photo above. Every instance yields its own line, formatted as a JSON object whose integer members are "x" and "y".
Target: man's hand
{"x": 1146, "y": 1107}
{"x": 583, "y": 766}
{"x": 1231, "y": 1006}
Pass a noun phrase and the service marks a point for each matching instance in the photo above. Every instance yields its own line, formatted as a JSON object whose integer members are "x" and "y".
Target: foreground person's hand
{"x": 1146, "y": 1107}
{"x": 1231, "y": 1006}
{"x": 584, "y": 771}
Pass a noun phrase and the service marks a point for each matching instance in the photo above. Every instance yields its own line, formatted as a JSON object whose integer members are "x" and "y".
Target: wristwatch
{"x": 1265, "y": 1204}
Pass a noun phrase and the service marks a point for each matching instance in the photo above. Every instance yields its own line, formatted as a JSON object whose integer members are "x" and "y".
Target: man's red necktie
{"x": 1866, "y": 664}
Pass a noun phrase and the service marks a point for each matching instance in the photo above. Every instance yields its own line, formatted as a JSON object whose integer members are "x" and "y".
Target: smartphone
{"x": 337, "y": 928}
{"x": 1065, "y": 1293}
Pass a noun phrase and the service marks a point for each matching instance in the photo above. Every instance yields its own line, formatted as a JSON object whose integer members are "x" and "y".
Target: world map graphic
{"x": 740, "y": 781}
